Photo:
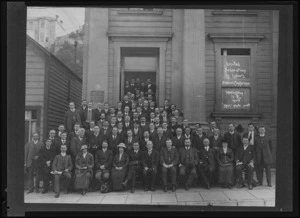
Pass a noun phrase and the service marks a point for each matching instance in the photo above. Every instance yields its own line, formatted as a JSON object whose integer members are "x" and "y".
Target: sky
{"x": 72, "y": 18}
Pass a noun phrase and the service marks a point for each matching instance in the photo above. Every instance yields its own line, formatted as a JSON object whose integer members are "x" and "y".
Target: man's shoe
{"x": 259, "y": 184}
{"x": 152, "y": 189}
{"x": 30, "y": 191}
{"x": 174, "y": 188}
{"x": 44, "y": 191}
{"x": 250, "y": 187}
{"x": 56, "y": 195}
{"x": 208, "y": 186}
{"x": 146, "y": 189}
{"x": 36, "y": 190}
{"x": 187, "y": 187}
{"x": 165, "y": 189}
{"x": 124, "y": 184}
{"x": 239, "y": 186}
{"x": 269, "y": 185}
{"x": 84, "y": 192}
{"x": 132, "y": 190}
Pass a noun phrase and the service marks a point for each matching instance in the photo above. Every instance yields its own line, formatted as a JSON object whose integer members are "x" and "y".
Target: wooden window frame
{"x": 38, "y": 118}
{"x": 231, "y": 41}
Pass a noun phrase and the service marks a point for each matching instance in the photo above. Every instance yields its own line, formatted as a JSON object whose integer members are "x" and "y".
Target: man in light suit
{"x": 32, "y": 150}
{"x": 72, "y": 116}
{"x": 263, "y": 149}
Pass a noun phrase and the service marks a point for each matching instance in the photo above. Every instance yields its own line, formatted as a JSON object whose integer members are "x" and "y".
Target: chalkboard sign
{"x": 236, "y": 68}
{"x": 97, "y": 96}
{"x": 235, "y": 98}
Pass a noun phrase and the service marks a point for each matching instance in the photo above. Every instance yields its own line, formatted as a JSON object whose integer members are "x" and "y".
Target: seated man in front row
{"x": 169, "y": 160}
{"x": 207, "y": 164}
{"x": 135, "y": 165}
{"x": 150, "y": 162}
{"x": 245, "y": 159}
{"x": 103, "y": 162}
{"x": 61, "y": 168}
{"x": 188, "y": 160}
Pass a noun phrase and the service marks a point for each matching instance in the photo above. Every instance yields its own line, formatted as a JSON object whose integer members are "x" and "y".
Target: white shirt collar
{"x": 35, "y": 142}
{"x": 262, "y": 135}
{"x": 63, "y": 154}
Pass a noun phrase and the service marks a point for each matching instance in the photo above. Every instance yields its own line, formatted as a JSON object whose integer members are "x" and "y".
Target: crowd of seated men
{"x": 108, "y": 146}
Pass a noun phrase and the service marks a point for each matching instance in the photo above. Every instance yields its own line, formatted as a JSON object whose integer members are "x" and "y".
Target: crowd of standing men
{"x": 98, "y": 148}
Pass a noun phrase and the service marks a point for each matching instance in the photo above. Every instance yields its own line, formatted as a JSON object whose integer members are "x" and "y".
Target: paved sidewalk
{"x": 263, "y": 196}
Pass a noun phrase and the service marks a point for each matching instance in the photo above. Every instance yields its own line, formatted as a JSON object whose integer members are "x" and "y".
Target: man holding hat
{"x": 61, "y": 168}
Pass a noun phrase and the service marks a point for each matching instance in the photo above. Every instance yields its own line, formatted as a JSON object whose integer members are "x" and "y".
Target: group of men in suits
{"x": 166, "y": 143}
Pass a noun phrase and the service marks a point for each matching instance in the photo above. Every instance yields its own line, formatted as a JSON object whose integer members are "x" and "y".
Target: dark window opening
{"x": 235, "y": 51}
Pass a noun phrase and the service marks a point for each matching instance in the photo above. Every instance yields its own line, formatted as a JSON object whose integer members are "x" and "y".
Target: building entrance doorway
{"x": 142, "y": 64}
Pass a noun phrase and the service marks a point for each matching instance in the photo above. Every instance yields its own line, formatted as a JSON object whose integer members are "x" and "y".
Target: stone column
{"x": 95, "y": 71}
{"x": 193, "y": 75}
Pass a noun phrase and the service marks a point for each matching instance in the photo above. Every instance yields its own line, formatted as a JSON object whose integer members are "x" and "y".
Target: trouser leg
{"x": 57, "y": 183}
{"x": 130, "y": 172}
{"x": 98, "y": 177}
{"x": 191, "y": 177}
{"x": 153, "y": 177}
{"x": 239, "y": 170}
{"x": 30, "y": 177}
{"x": 173, "y": 175}
{"x": 259, "y": 173}
{"x": 182, "y": 174}
{"x": 133, "y": 178}
{"x": 68, "y": 179}
{"x": 164, "y": 172}
{"x": 146, "y": 180}
{"x": 268, "y": 173}
{"x": 250, "y": 175}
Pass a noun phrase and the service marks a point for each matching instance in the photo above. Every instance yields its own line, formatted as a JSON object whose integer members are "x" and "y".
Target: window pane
{"x": 33, "y": 127}
{"x": 42, "y": 37}
{"x": 27, "y": 114}
{"x": 33, "y": 114}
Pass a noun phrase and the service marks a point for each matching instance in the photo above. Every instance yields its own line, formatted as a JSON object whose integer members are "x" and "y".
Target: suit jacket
{"x": 46, "y": 155}
{"x": 139, "y": 133}
{"x": 144, "y": 128}
{"x": 95, "y": 141}
{"x": 103, "y": 158}
{"x": 247, "y": 135}
{"x": 146, "y": 112}
{"x": 122, "y": 133}
{"x": 121, "y": 163}
{"x": 92, "y": 114}
{"x": 173, "y": 129}
{"x": 135, "y": 158}
{"x": 173, "y": 158}
{"x": 112, "y": 144}
{"x": 198, "y": 141}
{"x": 152, "y": 134}
{"x": 159, "y": 144}
{"x": 88, "y": 162}
{"x": 83, "y": 113}
{"x": 76, "y": 146}
{"x": 263, "y": 148}
{"x": 57, "y": 144}
{"x": 71, "y": 118}
{"x": 143, "y": 144}
{"x": 129, "y": 103}
{"x": 130, "y": 126}
{"x": 215, "y": 143}
{"x": 193, "y": 154}
{"x": 190, "y": 137}
{"x": 168, "y": 133}
{"x": 129, "y": 144}
{"x": 96, "y": 115}
{"x": 32, "y": 150}
{"x": 71, "y": 135}
{"x": 234, "y": 140}
{"x": 105, "y": 112}
{"x": 247, "y": 155}
{"x": 88, "y": 134}
{"x": 154, "y": 159}
{"x": 178, "y": 143}
{"x": 224, "y": 158}
{"x": 207, "y": 158}
{"x": 104, "y": 133}
{"x": 61, "y": 163}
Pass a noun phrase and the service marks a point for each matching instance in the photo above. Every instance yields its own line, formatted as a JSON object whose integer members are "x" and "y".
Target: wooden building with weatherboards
{"x": 214, "y": 64}
{"x": 50, "y": 86}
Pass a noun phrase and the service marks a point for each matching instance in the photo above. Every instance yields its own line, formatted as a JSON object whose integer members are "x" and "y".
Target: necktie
{"x": 250, "y": 136}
